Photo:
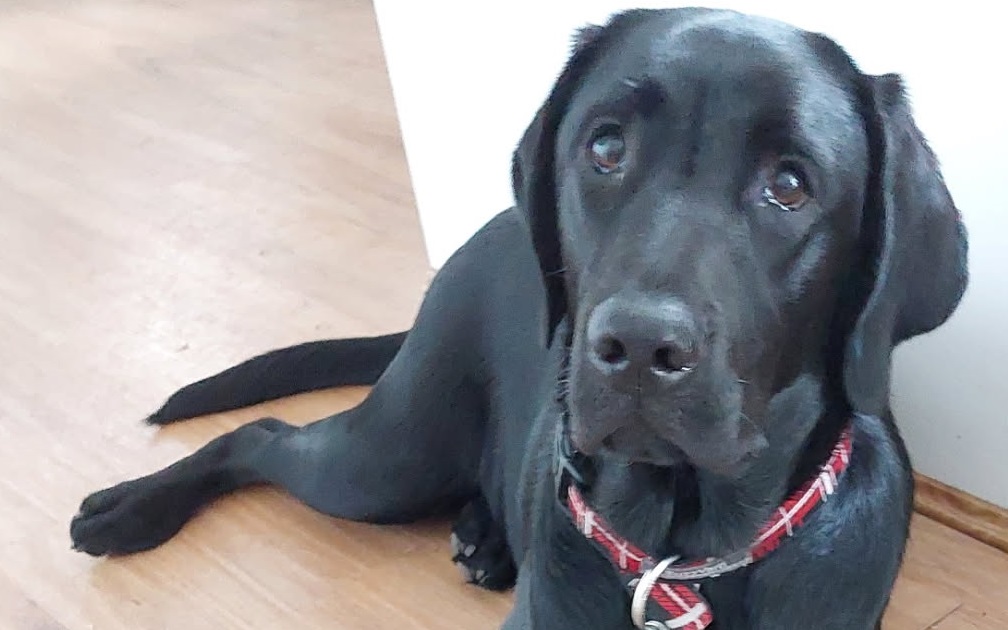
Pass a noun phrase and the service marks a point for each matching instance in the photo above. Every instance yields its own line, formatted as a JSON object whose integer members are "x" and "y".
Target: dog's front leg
{"x": 520, "y": 617}
{"x": 560, "y": 588}
{"x": 572, "y": 607}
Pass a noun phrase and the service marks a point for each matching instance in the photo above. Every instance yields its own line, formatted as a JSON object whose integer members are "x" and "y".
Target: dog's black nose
{"x": 642, "y": 335}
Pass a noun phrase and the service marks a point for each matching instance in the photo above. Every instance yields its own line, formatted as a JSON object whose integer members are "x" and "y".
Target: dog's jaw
{"x": 671, "y": 505}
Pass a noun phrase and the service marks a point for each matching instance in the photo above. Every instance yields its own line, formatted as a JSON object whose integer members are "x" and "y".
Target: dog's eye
{"x": 607, "y": 149}
{"x": 787, "y": 190}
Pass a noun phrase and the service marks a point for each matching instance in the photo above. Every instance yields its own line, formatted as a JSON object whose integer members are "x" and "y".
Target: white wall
{"x": 467, "y": 77}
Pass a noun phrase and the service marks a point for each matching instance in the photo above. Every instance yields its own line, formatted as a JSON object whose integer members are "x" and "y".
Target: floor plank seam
{"x": 945, "y": 616}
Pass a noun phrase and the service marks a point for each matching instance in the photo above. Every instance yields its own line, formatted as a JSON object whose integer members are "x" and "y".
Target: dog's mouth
{"x": 616, "y": 427}
{"x": 725, "y": 453}
{"x": 705, "y": 431}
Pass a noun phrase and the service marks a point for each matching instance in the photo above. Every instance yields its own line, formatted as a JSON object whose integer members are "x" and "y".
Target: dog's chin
{"x": 634, "y": 447}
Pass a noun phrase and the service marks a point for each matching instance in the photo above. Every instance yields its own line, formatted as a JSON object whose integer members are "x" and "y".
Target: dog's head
{"x": 721, "y": 204}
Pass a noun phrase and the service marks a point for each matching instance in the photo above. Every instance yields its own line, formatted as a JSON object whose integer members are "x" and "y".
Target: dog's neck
{"x": 689, "y": 512}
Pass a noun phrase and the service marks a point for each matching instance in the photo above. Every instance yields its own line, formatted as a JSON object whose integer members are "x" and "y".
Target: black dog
{"x": 724, "y": 228}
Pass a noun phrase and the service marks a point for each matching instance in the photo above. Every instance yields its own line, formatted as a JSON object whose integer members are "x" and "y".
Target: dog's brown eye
{"x": 607, "y": 149}
{"x": 787, "y": 190}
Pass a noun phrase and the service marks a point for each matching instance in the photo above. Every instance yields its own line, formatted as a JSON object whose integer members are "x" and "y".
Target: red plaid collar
{"x": 666, "y": 594}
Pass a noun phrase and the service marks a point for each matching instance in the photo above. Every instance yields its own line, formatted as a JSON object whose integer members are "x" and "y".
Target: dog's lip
{"x": 669, "y": 456}
{"x": 731, "y": 469}
{"x": 734, "y": 461}
{"x": 639, "y": 443}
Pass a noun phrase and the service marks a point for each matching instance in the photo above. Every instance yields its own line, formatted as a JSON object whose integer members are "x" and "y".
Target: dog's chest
{"x": 575, "y": 586}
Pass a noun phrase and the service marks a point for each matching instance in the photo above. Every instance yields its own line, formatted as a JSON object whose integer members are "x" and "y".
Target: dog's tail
{"x": 284, "y": 372}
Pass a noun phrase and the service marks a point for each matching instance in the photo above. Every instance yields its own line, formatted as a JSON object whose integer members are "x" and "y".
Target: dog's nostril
{"x": 612, "y": 351}
{"x": 663, "y": 360}
{"x": 669, "y": 360}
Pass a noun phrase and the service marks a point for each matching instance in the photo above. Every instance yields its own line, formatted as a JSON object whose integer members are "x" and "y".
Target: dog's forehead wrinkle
{"x": 729, "y": 54}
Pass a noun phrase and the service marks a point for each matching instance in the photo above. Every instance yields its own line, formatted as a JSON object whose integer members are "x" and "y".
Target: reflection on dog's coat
{"x": 722, "y": 230}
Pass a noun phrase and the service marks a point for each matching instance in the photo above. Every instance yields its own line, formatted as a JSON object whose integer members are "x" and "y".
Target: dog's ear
{"x": 533, "y": 172}
{"x": 916, "y": 242}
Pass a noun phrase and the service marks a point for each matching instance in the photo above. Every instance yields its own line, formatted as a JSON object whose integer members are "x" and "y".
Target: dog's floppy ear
{"x": 917, "y": 242}
{"x": 533, "y": 172}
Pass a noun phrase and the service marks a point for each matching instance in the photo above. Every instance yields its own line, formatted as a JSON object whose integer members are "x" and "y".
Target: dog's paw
{"x": 480, "y": 550}
{"x": 128, "y": 518}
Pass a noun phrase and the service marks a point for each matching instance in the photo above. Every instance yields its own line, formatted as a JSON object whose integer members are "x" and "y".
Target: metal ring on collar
{"x": 642, "y": 591}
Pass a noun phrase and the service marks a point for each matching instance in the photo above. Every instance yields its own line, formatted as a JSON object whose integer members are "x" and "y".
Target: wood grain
{"x": 969, "y": 618}
{"x": 962, "y": 511}
{"x": 184, "y": 183}
{"x": 960, "y": 566}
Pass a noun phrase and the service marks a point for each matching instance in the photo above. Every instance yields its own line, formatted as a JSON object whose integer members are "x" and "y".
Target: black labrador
{"x": 658, "y": 387}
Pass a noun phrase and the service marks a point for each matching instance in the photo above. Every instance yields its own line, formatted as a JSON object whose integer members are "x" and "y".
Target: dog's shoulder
{"x": 846, "y": 546}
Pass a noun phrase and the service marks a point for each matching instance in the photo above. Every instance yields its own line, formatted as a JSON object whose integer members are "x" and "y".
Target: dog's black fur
{"x": 707, "y": 341}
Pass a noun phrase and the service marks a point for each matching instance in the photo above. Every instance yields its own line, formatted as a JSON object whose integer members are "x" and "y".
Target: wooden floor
{"x": 184, "y": 183}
